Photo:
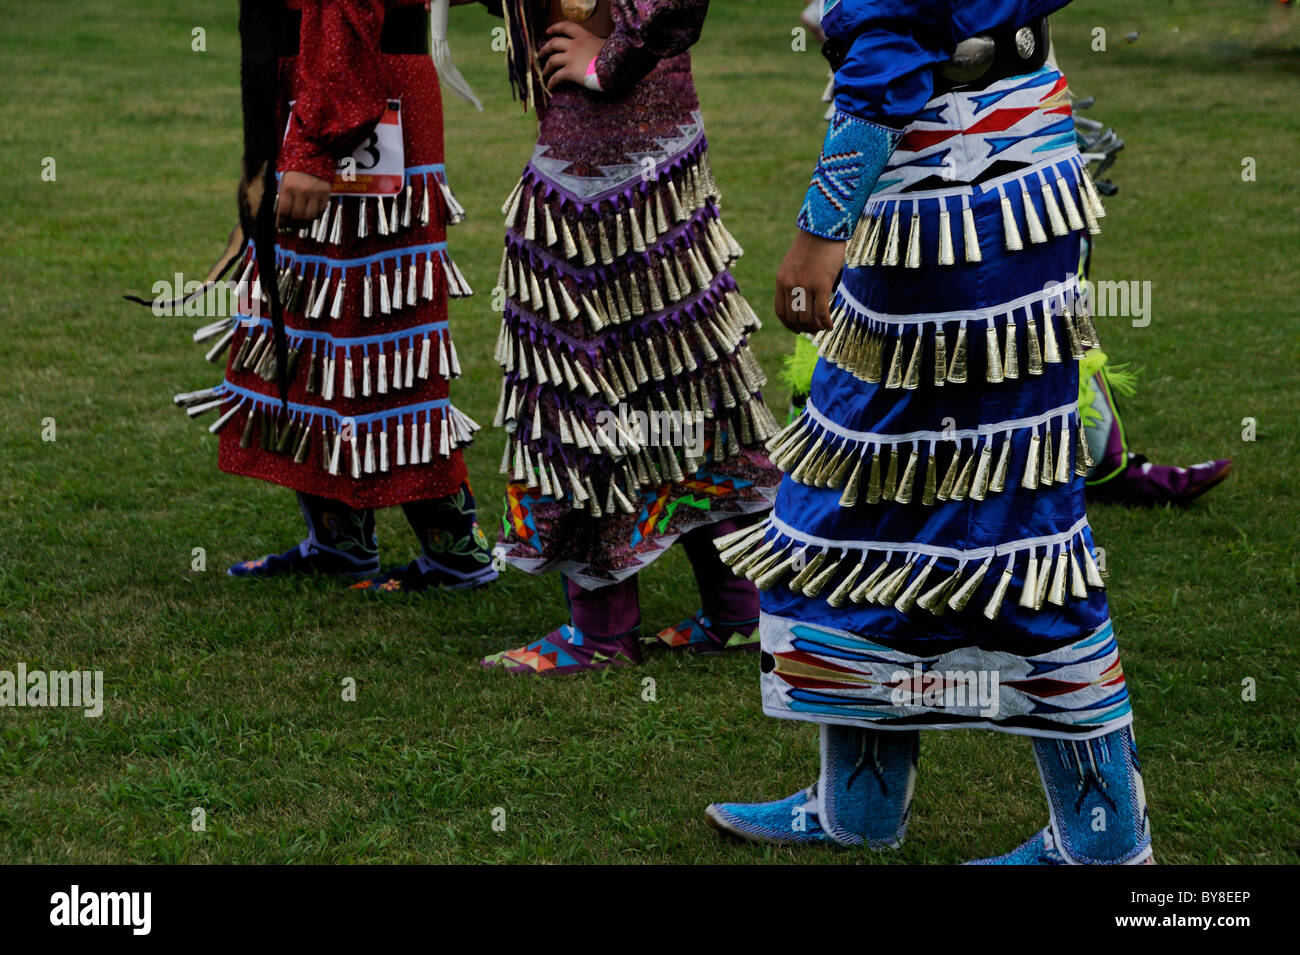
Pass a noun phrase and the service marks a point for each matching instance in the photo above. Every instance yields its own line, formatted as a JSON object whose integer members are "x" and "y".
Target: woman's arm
{"x": 645, "y": 32}
{"x": 340, "y": 98}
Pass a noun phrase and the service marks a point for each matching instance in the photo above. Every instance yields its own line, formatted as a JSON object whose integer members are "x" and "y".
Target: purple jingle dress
{"x": 630, "y": 397}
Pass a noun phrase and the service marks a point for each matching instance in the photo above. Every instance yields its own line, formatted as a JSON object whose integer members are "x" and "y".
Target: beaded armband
{"x": 852, "y": 158}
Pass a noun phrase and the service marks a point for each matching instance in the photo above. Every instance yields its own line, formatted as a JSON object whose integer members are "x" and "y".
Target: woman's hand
{"x": 567, "y": 53}
{"x": 300, "y": 200}
{"x": 805, "y": 282}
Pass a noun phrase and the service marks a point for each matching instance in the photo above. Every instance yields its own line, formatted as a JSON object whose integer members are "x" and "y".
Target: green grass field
{"x": 226, "y": 696}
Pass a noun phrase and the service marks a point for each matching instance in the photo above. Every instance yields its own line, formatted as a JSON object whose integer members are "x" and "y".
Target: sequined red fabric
{"x": 339, "y": 84}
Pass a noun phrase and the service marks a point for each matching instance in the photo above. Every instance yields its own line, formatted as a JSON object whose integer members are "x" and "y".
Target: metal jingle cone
{"x": 928, "y": 494}
{"x": 246, "y": 438}
{"x": 912, "y": 260}
{"x": 946, "y": 256}
{"x": 845, "y": 345}
{"x": 940, "y": 356}
{"x": 871, "y": 251}
{"x": 957, "y": 369}
{"x": 1010, "y": 361}
{"x": 1035, "y": 356}
{"x": 980, "y": 484}
{"x": 836, "y": 479}
{"x": 830, "y": 465}
{"x": 994, "y": 606}
{"x": 1055, "y": 220}
{"x": 740, "y": 565}
{"x": 860, "y": 593}
{"x": 809, "y": 462}
{"x": 817, "y": 584}
{"x": 970, "y": 235}
{"x": 304, "y": 444}
{"x": 962, "y": 487}
{"x": 1089, "y": 211}
{"x": 1090, "y": 570}
{"x": 873, "y": 594}
{"x": 791, "y": 432}
{"x": 1046, "y": 470}
{"x": 810, "y": 570}
{"x": 907, "y": 599}
{"x": 1076, "y": 343}
{"x": 873, "y": 481}
{"x": 1083, "y": 462}
{"x": 854, "y": 350}
{"x": 912, "y": 378}
{"x": 904, "y": 493}
{"x": 895, "y": 379}
{"x": 1056, "y": 592}
{"x": 962, "y": 595}
{"x": 1062, "y": 475}
{"x": 950, "y": 476}
{"x": 894, "y": 585}
{"x": 840, "y": 594}
{"x": 1044, "y": 580}
{"x": 1029, "y": 589}
{"x": 993, "y": 373}
{"x": 998, "y": 482}
{"x": 1030, "y": 479}
{"x": 850, "y": 496}
{"x": 267, "y": 431}
{"x": 623, "y": 502}
{"x": 1098, "y": 209}
{"x": 1037, "y": 235}
{"x": 857, "y": 241}
{"x": 935, "y": 599}
{"x": 875, "y": 359}
{"x": 1010, "y": 231}
{"x": 891, "y": 241}
{"x": 769, "y": 578}
{"x": 1078, "y": 586}
{"x": 1072, "y": 216}
{"x": 890, "y": 485}
{"x": 222, "y": 421}
{"x": 284, "y": 440}
{"x": 794, "y": 452}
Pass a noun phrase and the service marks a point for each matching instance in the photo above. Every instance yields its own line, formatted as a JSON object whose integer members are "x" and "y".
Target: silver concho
{"x": 1025, "y": 42}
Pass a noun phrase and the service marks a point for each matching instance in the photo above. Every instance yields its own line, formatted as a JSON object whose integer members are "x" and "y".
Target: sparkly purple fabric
{"x": 593, "y": 129}
{"x": 646, "y": 33}
{"x": 656, "y": 316}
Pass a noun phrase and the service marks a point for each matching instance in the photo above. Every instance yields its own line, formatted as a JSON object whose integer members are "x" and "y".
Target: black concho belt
{"x": 1002, "y": 53}
{"x": 978, "y": 61}
{"x": 406, "y": 31}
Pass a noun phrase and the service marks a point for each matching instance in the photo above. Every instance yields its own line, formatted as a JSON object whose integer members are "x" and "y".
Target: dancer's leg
{"x": 1096, "y": 802}
{"x": 728, "y": 614}
{"x": 340, "y": 540}
{"x": 454, "y": 551}
{"x": 604, "y": 631}
{"x": 863, "y": 795}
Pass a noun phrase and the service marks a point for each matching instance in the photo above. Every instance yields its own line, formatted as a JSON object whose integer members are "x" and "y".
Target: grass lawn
{"x": 226, "y": 696}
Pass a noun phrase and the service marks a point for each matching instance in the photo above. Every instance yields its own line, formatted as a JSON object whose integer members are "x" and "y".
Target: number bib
{"x": 378, "y": 166}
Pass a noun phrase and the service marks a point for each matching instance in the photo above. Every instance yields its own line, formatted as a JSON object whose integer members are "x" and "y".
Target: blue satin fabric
{"x": 1012, "y": 514}
{"x": 889, "y": 74}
